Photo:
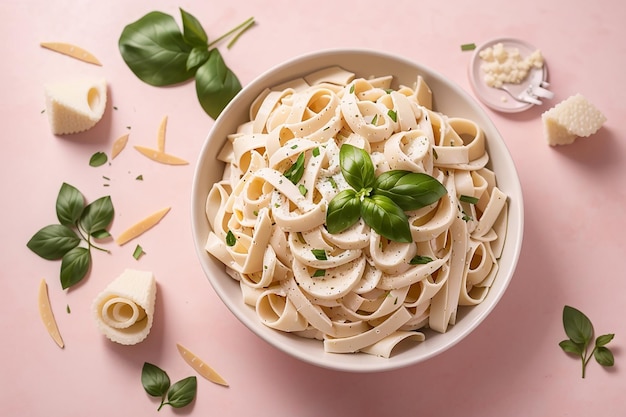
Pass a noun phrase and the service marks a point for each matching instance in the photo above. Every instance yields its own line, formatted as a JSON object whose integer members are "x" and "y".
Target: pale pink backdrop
{"x": 574, "y": 248}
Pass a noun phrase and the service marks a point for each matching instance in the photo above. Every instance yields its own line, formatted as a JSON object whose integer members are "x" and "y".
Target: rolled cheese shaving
{"x": 75, "y": 106}
{"x": 124, "y": 311}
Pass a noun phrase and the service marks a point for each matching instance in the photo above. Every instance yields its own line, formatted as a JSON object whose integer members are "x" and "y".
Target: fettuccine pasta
{"x": 366, "y": 294}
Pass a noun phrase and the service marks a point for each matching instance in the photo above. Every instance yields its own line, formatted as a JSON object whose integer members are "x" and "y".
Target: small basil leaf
{"x": 155, "y": 51}
{"x": 571, "y": 347}
{"x": 154, "y": 380}
{"x": 577, "y": 326}
{"x": 69, "y": 205}
{"x": 98, "y": 159}
{"x": 193, "y": 32}
{"x": 197, "y": 57}
{"x": 409, "y": 190}
{"x": 231, "y": 240}
{"x": 97, "y": 216}
{"x": 295, "y": 172}
{"x": 356, "y": 166}
{"x": 343, "y": 211}
{"x": 386, "y": 218}
{"x": 604, "y": 339}
{"x": 74, "y": 266}
{"x": 320, "y": 254}
{"x": 216, "y": 84}
{"x": 604, "y": 356}
{"x": 53, "y": 241}
{"x": 182, "y": 392}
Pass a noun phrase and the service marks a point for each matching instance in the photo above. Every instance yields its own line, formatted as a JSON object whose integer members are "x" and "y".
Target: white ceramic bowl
{"x": 449, "y": 99}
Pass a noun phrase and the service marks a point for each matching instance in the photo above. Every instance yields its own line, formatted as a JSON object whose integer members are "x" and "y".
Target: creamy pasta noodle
{"x": 365, "y": 293}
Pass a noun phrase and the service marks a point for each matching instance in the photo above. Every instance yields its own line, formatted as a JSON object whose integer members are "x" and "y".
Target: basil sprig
{"x": 158, "y": 53}
{"x": 381, "y": 201}
{"x": 579, "y": 329}
{"x": 156, "y": 383}
{"x": 78, "y": 223}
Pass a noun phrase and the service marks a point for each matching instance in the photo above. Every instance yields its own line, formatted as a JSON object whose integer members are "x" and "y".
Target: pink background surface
{"x": 574, "y": 248}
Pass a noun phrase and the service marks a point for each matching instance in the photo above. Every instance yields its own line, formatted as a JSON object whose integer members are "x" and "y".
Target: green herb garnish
{"x": 468, "y": 47}
{"x": 579, "y": 329}
{"x": 138, "y": 252}
{"x": 302, "y": 189}
{"x": 315, "y": 152}
{"x": 231, "y": 240}
{"x": 158, "y": 53}
{"x": 319, "y": 273}
{"x": 139, "y": 177}
{"x": 98, "y": 159}
{"x": 295, "y": 172}
{"x": 156, "y": 383}
{"x": 78, "y": 223}
{"x": 380, "y": 201}
{"x": 393, "y": 115}
{"x": 468, "y": 199}
{"x": 320, "y": 254}
{"x": 420, "y": 260}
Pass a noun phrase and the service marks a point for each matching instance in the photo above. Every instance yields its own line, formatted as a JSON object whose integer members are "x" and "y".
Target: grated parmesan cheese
{"x": 502, "y": 65}
{"x": 75, "y": 106}
{"x": 570, "y": 119}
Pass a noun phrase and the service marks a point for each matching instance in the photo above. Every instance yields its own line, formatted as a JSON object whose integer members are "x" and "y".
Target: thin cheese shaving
{"x": 71, "y": 51}
{"x": 119, "y": 145}
{"x": 161, "y": 135}
{"x": 200, "y": 366}
{"x": 141, "y": 226}
{"x": 47, "y": 317}
{"x": 159, "y": 156}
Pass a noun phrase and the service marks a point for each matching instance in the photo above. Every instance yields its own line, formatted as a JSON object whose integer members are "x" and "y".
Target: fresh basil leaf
{"x": 100, "y": 234}
{"x": 356, "y": 166}
{"x": 53, "y": 241}
{"x": 409, "y": 190}
{"x": 98, "y": 215}
{"x": 343, "y": 211}
{"x": 295, "y": 172}
{"x": 98, "y": 159}
{"x": 420, "y": 260}
{"x": 193, "y": 32}
{"x": 69, "y": 205}
{"x": 182, "y": 392}
{"x": 577, "y": 326}
{"x": 604, "y": 356}
{"x": 216, "y": 84}
{"x": 604, "y": 339}
{"x": 154, "y": 380}
{"x": 138, "y": 252}
{"x": 571, "y": 347}
{"x": 74, "y": 266}
{"x": 197, "y": 57}
{"x": 386, "y": 218}
{"x": 155, "y": 50}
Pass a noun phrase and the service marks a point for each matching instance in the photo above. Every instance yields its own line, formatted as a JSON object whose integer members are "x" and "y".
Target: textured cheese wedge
{"x": 141, "y": 227}
{"x": 72, "y": 51}
{"x": 200, "y": 366}
{"x": 45, "y": 312}
{"x": 119, "y": 145}
{"x": 124, "y": 311}
{"x": 75, "y": 106}
{"x": 572, "y": 118}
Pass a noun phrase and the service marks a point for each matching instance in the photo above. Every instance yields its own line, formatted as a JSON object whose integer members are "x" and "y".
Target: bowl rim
{"x": 346, "y": 362}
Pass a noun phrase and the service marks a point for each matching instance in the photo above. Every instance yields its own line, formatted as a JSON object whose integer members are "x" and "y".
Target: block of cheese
{"x": 75, "y": 106}
{"x": 124, "y": 311}
{"x": 572, "y": 118}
